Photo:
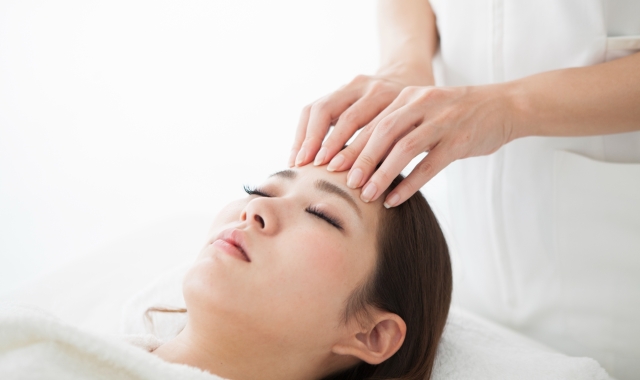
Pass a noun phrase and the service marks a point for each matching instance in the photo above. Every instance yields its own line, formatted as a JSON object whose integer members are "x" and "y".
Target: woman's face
{"x": 310, "y": 242}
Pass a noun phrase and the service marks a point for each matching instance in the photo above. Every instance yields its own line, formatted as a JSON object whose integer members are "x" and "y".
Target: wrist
{"x": 414, "y": 72}
{"x": 521, "y": 121}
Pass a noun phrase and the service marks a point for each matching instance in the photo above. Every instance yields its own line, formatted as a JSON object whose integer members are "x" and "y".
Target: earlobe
{"x": 377, "y": 343}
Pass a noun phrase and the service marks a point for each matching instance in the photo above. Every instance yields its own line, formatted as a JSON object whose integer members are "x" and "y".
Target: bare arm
{"x": 408, "y": 37}
{"x": 459, "y": 122}
{"x": 593, "y": 100}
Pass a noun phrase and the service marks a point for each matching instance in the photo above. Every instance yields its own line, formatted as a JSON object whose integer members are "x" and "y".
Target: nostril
{"x": 259, "y": 219}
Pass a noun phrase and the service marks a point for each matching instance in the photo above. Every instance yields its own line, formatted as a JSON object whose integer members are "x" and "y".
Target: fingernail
{"x": 392, "y": 200}
{"x": 368, "y": 192}
{"x": 336, "y": 163}
{"x": 292, "y": 158}
{"x": 320, "y": 156}
{"x": 354, "y": 178}
{"x": 302, "y": 154}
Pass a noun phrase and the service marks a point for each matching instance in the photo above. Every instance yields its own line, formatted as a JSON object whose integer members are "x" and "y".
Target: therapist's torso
{"x": 545, "y": 233}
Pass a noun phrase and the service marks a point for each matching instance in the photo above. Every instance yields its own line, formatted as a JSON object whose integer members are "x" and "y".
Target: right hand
{"x": 350, "y": 108}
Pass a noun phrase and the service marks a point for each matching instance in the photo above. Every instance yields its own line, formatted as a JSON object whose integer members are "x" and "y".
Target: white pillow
{"x": 471, "y": 347}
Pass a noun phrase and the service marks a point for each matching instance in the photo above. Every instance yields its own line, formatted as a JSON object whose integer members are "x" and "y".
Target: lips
{"x": 235, "y": 237}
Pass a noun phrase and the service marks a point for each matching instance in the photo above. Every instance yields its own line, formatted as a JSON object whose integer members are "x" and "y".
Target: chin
{"x": 210, "y": 286}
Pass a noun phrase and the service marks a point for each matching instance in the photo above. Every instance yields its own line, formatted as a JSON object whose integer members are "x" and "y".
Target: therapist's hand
{"x": 447, "y": 122}
{"x": 349, "y": 108}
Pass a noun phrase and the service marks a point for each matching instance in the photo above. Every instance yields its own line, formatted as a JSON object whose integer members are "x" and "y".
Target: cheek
{"x": 321, "y": 265}
{"x": 231, "y": 212}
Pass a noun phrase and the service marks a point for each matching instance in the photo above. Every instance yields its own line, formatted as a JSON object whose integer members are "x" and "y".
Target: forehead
{"x": 309, "y": 174}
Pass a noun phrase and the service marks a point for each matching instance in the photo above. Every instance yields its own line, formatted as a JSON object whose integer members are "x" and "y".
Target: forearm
{"x": 593, "y": 100}
{"x": 408, "y": 39}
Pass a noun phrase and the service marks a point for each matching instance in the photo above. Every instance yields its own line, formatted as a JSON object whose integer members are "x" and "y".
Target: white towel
{"x": 34, "y": 345}
{"x": 474, "y": 348}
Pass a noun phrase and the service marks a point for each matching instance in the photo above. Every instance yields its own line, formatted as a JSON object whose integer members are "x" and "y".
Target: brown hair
{"x": 413, "y": 280}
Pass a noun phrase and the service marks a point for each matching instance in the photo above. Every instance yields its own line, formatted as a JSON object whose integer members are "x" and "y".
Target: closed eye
{"x": 315, "y": 211}
{"x": 255, "y": 191}
{"x": 311, "y": 209}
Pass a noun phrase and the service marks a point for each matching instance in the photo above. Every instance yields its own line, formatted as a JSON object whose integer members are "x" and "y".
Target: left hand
{"x": 447, "y": 122}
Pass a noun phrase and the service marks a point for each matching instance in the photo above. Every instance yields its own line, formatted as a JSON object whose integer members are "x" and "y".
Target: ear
{"x": 376, "y": 343}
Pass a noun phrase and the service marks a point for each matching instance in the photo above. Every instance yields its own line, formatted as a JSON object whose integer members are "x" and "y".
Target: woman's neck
{"x": 238, "y": 355}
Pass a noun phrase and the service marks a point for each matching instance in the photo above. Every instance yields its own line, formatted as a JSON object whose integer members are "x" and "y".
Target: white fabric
{"x": 37, "y": 346}
{"x": 545, "y": 230}
{"x": 90, "y": 292}
{"x": 471, "y": 348}
{"x": 476, "y": 349}
{"x": 34, "y": 345}
{"x": 165, "y": 291}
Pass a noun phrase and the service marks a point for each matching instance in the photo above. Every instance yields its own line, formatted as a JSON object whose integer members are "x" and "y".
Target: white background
{"x": 119, "y": 115}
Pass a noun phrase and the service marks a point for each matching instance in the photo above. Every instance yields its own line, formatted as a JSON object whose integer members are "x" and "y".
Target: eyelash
{"x": 313, "y": 210}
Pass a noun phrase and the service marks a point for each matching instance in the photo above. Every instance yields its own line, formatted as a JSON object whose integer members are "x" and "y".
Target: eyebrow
{"x": 325, "y": 186}
{"x": 288, "y": 173}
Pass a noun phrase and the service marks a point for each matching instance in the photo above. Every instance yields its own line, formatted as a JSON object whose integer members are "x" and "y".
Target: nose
{"x": 260, "y": 213}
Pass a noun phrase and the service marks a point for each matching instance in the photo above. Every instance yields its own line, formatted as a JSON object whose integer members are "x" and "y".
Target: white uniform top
{"x": 545, "y": 233}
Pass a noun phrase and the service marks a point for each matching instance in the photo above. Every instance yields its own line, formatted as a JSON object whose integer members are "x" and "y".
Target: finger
{"x": 385, "y": 134}
{"x": 355, "y": 117}
{"x": 436, "y": 160}
{"x": 347, "y": 156}
{"x": 345, "y": 159}
{"x": 321, "y": 115}
{"x": 401, "y": 100}
{"x": 300, "y": 134}
{"x": 408, "y": 147}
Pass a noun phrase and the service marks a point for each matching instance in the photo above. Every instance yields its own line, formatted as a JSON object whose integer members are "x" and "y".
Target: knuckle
{"x": 407, "y": 146}
{"x": 410, "y": 90}
{"x": 359, "y": 79}
{"x": 348, "y": 117}
{"x": 425, "y": 169}
{"x": 385, "y": 127}
{"x": 320, "y": 106}
{"x": 331, "y": 141}
{"x": 377, "y": 86}
{"x": 428, "y": 94}
{"x": 349, "y": 154}
{"x": 408, "y": 93}
{"x": 336, "y": 138}
{"x": 311, "y": 140}
{"x": 364, "y": 134}
{"x": 367, "y": 160}
{"x": 367, "y": 129}
{"x": 384, "y": 176}
{"x": 432, "y": 94}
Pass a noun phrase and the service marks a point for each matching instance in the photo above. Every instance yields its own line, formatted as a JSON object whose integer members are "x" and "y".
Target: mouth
{"x": 235, "y": 244}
